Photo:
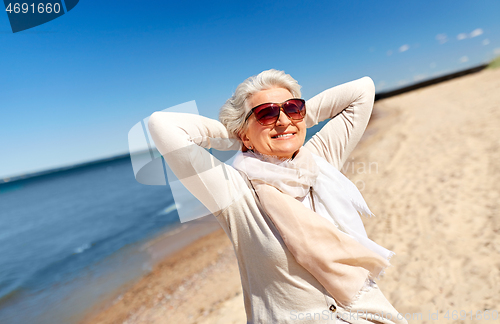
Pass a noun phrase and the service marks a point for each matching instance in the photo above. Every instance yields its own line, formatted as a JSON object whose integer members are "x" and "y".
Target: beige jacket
{"x": 276, "y": 288}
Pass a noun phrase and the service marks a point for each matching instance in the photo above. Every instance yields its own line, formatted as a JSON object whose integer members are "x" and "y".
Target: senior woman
{"x": 292, "y": 217}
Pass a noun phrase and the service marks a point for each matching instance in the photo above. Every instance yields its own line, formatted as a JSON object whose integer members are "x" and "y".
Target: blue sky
{"x": 71, "y": 89}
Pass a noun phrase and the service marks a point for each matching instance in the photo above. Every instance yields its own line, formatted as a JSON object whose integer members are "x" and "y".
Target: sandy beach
{"x": 429, "y": 168}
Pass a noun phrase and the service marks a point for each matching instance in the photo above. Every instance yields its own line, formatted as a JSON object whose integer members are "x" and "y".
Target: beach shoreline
{"x": 163, "y": 251}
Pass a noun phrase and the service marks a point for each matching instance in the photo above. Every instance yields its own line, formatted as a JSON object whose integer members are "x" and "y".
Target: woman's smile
{"x": 284, "y": 136}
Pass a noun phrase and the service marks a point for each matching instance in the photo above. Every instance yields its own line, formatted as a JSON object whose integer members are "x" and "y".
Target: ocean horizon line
{"x": 28, "y": 175}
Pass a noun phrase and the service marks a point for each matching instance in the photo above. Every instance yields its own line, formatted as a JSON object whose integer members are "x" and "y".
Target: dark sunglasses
{"x": 269, "y": 113}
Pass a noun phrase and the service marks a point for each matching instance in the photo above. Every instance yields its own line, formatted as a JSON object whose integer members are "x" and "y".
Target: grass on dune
{"x": 495, "y": 63}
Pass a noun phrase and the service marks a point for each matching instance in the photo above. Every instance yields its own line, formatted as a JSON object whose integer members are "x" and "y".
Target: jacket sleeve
{"x": 349, "y": 106}
{"x": 183, "y": 140}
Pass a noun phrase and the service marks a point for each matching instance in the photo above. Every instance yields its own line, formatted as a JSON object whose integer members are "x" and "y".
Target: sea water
{"x": 68, "y": 237}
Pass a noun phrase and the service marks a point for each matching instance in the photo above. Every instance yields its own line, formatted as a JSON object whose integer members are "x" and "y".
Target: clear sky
{"x": 71, "y": 89}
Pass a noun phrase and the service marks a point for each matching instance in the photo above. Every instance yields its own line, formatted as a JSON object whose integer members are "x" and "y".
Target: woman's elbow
{"x": 369, "y": 85}
{"x": 153, "y": 121}
{"x": 158, "y": 129}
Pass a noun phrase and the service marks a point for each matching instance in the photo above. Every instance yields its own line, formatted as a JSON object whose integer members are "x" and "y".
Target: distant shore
{"x": 62, "y": 168}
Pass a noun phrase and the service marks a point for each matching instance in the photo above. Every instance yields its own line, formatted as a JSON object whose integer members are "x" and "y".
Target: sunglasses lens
{"x": 295, "y": 108}
{"x": 267, "y": 114}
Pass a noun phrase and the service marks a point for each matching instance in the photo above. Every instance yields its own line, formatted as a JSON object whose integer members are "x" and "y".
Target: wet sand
{"x": 429, "y": 168}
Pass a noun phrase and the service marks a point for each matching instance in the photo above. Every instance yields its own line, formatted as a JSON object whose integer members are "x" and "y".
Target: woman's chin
{"x": 284, "y": 152}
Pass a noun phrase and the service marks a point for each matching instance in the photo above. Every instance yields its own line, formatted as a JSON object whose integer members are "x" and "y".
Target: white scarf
{"x": 337, "y": 197}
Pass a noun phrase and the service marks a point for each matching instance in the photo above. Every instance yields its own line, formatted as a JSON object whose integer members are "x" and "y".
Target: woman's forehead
{"x": 275, "y": 95}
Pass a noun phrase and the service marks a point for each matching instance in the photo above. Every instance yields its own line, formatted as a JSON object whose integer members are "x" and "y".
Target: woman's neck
{"x": 274, "y": 158}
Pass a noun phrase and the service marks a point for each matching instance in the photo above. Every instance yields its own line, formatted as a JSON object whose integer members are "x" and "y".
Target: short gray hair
{"x": 232, "y": 114}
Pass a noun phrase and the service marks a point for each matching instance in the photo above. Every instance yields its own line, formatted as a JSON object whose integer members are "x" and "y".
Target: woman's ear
{"x": 245, "y": 140}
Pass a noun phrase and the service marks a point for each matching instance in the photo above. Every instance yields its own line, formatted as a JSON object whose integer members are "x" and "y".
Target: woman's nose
{"x": 283, "y": 119}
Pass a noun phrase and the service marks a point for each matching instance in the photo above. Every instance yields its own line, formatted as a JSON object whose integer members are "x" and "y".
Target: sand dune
{"x": 429, "y": 168}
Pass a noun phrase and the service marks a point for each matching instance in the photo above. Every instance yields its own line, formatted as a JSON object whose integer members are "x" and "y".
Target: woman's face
{"x": 265, "y": 139}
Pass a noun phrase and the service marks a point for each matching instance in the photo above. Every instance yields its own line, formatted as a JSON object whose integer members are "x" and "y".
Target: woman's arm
{"x": 182, "y": 138}
{"x": 350, "y": 106}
